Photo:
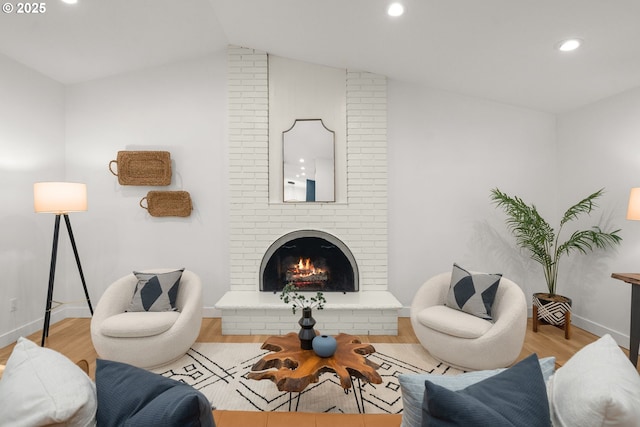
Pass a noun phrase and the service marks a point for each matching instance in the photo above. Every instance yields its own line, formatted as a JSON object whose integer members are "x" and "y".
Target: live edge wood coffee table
{"x": 295, "y": 368}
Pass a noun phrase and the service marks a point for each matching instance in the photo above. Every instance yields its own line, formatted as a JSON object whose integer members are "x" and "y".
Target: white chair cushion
{"x": 453, "y": 322}
{"x": 138, "y": 324}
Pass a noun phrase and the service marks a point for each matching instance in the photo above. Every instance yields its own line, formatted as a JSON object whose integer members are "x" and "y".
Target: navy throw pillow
{"x": 130, "y": 396}
{"x": 514, "y": 397}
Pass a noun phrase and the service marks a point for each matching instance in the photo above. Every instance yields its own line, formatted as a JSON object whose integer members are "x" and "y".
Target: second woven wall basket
{"x": 142, "y": 167}
{"x": 168, "y": 203}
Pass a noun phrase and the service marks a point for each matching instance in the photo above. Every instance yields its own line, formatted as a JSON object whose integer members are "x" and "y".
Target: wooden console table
{"x": 634, "y": 334}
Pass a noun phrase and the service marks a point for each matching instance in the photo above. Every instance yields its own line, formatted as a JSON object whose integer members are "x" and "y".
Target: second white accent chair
{"x": 466, "y": 341}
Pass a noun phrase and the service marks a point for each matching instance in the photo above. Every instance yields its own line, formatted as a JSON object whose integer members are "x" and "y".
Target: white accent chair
{"x": 466, "y": 341}
{"x": 146, "y": 339}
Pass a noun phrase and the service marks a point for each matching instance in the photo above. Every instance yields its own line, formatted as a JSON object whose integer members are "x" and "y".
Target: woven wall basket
{"x": 142, "y": 167}
{"x": 167, "y": 203}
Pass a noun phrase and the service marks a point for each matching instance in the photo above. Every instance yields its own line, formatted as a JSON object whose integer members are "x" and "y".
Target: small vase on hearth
{"x": 307, "y": 333}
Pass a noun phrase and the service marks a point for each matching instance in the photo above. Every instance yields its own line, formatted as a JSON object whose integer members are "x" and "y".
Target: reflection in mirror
{"x": 308, "y": 157}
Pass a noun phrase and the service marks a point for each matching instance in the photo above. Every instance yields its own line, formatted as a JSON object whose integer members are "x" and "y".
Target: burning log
{"x": 304, "y": 274}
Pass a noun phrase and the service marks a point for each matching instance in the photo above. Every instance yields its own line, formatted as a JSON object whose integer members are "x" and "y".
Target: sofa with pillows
{"x": 598, "y": 386}
{"x": 41, "y": 387}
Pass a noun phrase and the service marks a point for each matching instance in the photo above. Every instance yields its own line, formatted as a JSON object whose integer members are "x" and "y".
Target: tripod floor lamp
{"x": 60, "y": 198}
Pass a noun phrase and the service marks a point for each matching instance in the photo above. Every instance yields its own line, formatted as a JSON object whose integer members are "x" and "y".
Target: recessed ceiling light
{"x": 569, "y": 45}
{"x": 395, "y": 9}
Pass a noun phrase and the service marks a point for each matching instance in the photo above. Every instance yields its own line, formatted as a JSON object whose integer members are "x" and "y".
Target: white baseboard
{"x": 36, "y": 325}
{"x": 595, "y": 328}
{"x": 211, "y": 312}
{"x": 22, "y": 331}
{"x": 600, "y": 330}
{"x": 28, "y": 329}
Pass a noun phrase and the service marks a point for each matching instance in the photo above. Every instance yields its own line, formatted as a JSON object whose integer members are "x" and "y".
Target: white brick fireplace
{"x": 360, "y": 221}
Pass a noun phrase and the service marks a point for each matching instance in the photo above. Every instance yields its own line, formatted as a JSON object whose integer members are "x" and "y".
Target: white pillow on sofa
{"x": 598, "y": 386}
{"x": 41, "y": 387}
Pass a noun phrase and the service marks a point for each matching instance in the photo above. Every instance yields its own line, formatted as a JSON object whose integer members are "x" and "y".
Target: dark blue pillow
{"x": 130, "y": 396}
{"x": 514, "y": 397}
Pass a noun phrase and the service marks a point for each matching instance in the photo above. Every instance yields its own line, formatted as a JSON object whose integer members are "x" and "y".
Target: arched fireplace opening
{"x": 310, "y": 259}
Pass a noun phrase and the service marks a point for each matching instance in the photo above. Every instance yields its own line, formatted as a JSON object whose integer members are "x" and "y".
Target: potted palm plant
{"x": 534, "y": 234}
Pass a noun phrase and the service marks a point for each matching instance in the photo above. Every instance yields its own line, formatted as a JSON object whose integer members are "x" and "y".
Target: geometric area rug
{"x": 219, "y": 371}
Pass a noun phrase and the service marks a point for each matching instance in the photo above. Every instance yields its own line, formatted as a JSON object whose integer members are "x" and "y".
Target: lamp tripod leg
{"x": 52, "y": 275}
{"x": 75, "y": 252}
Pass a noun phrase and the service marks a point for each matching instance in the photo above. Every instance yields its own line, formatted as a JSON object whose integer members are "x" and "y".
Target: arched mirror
{"x": 308, "y": 162}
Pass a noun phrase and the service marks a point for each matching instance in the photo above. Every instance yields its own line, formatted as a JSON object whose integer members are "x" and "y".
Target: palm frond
{"x": 534, "y": 234}
{"x": 528, "y": 227}
{"x": 585, "y": 205}
{"x": 586, "y": 240}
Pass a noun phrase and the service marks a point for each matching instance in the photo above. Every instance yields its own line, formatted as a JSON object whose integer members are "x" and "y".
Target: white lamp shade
{"x": 633, "y": 210}
{"x": 59, "y": 197}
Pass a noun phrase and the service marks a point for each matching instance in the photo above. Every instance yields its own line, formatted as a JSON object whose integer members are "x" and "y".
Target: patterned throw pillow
{"x": 472, "y": 293}
{"x": 156, "y": 291}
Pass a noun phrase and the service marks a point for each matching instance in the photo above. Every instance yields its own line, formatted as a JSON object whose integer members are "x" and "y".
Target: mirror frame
{"x": 332, "y": 135}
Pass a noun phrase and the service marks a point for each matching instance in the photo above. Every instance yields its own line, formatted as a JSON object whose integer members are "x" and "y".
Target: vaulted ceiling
{"x": 501, "y": 50}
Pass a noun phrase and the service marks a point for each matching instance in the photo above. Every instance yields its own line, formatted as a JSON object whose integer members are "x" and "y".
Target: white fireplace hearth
{"x": 356, "y": 313}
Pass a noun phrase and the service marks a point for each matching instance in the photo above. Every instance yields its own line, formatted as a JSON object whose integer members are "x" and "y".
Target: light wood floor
{"x": 72, "y": 338}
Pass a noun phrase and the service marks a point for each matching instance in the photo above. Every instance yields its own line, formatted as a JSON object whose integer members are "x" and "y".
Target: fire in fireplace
{"x": 311, "y": 260}
{"x": 304, "y": 274}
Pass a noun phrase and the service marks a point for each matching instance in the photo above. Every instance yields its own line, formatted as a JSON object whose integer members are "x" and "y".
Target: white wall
{"x": 599, "y": 147}
{"x": 180, "y": 108}
{"x": 446, "y": 152}
{"x": 31, "y": 150}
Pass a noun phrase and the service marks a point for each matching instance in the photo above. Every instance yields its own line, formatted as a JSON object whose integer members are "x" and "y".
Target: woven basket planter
{"x": 167, "y": 203}
{"x": 142, "y": 167}
{"x": 552, "y": 308}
